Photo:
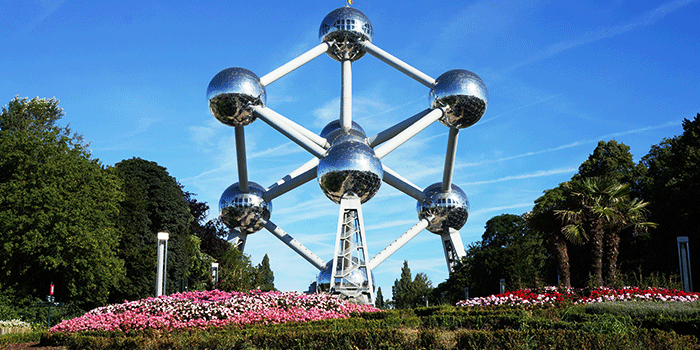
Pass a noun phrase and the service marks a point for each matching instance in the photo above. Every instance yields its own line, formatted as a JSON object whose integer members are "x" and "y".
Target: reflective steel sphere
{"x": 246, "y": 211}
{"x": 449, "y": 210}
{"x": 232, "y": 92}
{"x": 357, "y": 277}
{"x": 350, "y": 168}
{"x": 465, "y": 95}
{"x": 346, "y": 26}
{"x": 334, "y": 129}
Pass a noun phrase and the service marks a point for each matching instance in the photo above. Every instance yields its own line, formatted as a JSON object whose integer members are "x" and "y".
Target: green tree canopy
{"x": 154, "y": 203}
{"x": 58, "y": 209}
{"x": 409, "y": 292}
{"x": 672, "y": 186}
{"x": 264, "y": 278}
{"x": 611, "y": 159}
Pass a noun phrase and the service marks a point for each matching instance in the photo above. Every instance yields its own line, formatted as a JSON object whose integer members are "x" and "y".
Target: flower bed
{"x": 212, "y": 308}
{"x": 554, "y": 295}
{"x": 14, "y": 326}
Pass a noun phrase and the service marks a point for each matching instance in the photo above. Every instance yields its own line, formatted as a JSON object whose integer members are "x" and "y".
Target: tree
{"x": 596, "y": 210}
{"x": 408, "y": 292}
{"x": 264, "y": 278}
{"x": 611, "y": 159}
{"x": 155, "y": 202}
{"x": 672, "y": 186}
{"x": 236, "y": 273}
{"x": 543, "y": 219}
{"x": 508, "y": 250}
{"x": 454, "y": 287}
{"x": 58, "y": 208}
{"x": 379, "y": 300}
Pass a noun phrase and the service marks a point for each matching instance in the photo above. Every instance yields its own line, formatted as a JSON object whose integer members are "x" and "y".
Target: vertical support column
{"x": 162, "y": 261}
{"x": 453, "y": 247}
{"x": 346, "y": 95}
{"x": 237, "y": 239}
{"x": 351, "y": 278}
{"x": 240, "y": 156}
{"x": 450, "y": 160}
{"x": 684, "y": 263}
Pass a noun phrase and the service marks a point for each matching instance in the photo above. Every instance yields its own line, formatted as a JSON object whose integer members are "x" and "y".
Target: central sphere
{"x": 350, "y": 166}
{"x": 247, "y": 211}
{"x": 445, "y": 210}
{"x": 346, "y": 26}
{"x": 231, "y": 93}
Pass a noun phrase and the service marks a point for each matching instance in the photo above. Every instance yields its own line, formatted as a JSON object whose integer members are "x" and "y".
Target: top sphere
{"x": 346, "y": 26}
{"x": 232, "y": 92}
{"x": 465, "y": 96}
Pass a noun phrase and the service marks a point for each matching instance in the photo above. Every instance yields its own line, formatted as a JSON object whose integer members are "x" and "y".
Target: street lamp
{"x": 162, "y": 262}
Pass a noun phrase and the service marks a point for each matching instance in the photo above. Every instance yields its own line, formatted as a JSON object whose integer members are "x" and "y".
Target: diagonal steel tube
{"x": 290, "y": 66}
{"x": 295, "y": 245}
{"x": 387, "y": 134}
{"x": 399, "y": 64}
{"x": 398, "y": 243}
{"x": 408, "y": 133}
{"x": 276, "y": 121}
{"x": 296, "y": 178}
{"x": 397, "y": 181}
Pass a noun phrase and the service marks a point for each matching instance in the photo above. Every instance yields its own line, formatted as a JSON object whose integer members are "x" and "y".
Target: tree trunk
{"x": 561, "y": 253}
{"x": 612, "y": 251}
{"x": 596, "y": 255}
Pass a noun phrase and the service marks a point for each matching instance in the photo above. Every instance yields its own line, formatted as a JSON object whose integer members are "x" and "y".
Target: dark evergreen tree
{"x": 58, "y": 208}
{"x": 672, "y": 186}
{"x": 264, "y": 278}
{"x": 409, "y": 292}
{"x": 614, "y": 160}
{"x": 155, "y": 203}
{"x": 379, "y": 299}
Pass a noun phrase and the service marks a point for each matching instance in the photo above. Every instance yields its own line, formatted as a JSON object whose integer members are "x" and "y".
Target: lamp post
{"x": 215, "y": 272}
{"x": 162, "y": 262}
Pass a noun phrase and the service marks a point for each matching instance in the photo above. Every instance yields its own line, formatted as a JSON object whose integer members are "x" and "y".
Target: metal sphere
{"x": 334, "y": 129}
{"x": 346, "y": 26}
{"x": 448, "y": 210}
{"x": 465, "y": 96}
{"x": 357, "y": 277}
{"x": 232, "y": 92}
{"x": 246, "y": 211}
{"x": 350, "y": 168}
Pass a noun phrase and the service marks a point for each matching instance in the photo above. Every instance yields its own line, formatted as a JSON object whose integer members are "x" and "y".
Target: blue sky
{"x": 562, "y": 75}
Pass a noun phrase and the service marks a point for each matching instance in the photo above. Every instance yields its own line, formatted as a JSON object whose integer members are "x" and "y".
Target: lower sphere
{"x": 444, "y": 210}
{"x": 247, "y": 211}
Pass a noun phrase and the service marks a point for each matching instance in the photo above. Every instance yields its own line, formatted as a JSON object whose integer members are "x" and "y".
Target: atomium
{"x": 346, "y": 27}
{"x": 465, "y": 96}
{"x": 246, "y": 211}
{"x": 232, "y": 92}
{"x": 347, "y": 164}
{"x": 444, "y": 210}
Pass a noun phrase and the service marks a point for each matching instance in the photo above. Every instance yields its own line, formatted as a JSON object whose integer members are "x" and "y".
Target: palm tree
{"x": 596, "y": 210}
{"x": 542, "y": 219}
